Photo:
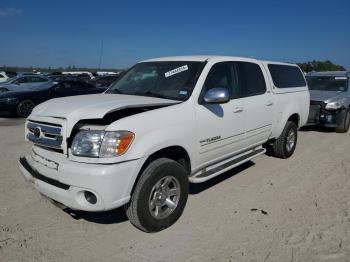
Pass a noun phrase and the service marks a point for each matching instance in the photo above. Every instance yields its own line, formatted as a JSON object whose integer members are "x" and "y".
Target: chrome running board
{"x": 207, "y": 173}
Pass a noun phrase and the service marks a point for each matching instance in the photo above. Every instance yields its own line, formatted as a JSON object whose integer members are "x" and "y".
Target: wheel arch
{"x": 175, "y": 152}
{"x": 295, "y": 118}
{"x": 291, "y": 113}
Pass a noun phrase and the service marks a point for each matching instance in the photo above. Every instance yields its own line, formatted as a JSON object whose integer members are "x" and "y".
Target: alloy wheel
{"x": 164, "y": 197}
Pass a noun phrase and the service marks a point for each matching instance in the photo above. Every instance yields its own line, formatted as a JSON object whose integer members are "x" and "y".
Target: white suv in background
{"x": 165, "y": 123}
{"x": 3, "y": 77}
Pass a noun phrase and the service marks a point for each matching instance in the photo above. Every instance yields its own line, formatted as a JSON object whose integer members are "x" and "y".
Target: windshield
{"x": 327, "y": 83}
{"x": 170, "y": 80}
{"x": 11, "y": 80}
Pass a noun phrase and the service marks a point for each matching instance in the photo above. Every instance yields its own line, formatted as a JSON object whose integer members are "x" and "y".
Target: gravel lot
{"x": 267, "y": 210}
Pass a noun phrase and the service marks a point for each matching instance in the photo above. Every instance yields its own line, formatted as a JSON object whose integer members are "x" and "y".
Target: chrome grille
{"x": 45, "y": 135}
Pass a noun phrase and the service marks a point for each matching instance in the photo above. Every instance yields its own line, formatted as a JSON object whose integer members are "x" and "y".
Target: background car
{"x": 59, "y": 77}
{"x": 81, "y": 74}
{"x": 23, "y": 82}
{"x": 3, "y": 77}
{"x": 11, "y": 74}
{"x": 21, "y": 103}
{"x": 104, "y": 81}
{"x": 330, "y": 99}
{"x": 81, "y": 77}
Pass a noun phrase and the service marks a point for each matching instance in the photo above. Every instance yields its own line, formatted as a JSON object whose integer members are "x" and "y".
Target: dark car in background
{"x": 104, "y": 81}
{"x": 21, "y": 103}
{"x": 59, "y": 77}
{"x": 81, "y": 77}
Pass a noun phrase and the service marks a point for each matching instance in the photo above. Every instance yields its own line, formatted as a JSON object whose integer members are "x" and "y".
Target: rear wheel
{"x": 285, "y": 145}
{"x": 344, "y": 126}
{"x": 24, "y": 108}
{"x": 159, "y": 197}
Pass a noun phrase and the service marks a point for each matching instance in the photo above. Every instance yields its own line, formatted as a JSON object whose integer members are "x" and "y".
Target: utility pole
{"x": 101, "y": 53}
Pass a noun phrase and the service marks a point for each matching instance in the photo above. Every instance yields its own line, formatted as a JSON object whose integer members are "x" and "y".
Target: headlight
{"x": 101, "y": 144}
{"x": 335, "y": 105}
{"x": 87, "y": 143}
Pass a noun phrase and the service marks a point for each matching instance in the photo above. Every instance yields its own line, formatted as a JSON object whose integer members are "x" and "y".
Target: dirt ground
{"x": 267, "y": 210}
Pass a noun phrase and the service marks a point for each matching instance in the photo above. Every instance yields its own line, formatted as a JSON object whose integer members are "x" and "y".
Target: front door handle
{"x": 269, "y": 103}
{"x": 237, "y": 109}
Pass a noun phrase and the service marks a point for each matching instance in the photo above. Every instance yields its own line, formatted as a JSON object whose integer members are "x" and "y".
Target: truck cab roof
{"x": 203, "y": 58}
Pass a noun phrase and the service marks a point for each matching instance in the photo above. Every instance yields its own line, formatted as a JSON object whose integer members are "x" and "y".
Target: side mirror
{"x": 218, "y": 95}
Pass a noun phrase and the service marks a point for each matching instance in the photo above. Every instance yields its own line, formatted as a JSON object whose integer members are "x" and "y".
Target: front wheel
{"x": 24, "y": 108}
{"x": 344, "y": 126}
{"x": 285, "y": 145}
{"x": 159, "y": 197}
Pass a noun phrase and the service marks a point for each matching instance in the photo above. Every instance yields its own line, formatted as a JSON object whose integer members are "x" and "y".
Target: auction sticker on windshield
{"x": 176, "y": 71}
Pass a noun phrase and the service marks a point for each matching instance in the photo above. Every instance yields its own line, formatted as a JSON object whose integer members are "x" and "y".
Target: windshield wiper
{"x": 115, "y": 91}
{"x": 154, "y": 94}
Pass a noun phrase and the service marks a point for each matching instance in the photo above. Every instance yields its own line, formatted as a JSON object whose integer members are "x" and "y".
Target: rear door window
{"x": 37, "y": 79}
{"x": 64, "y": 87}
{"x": 250, "y": 80}
{"x": 85, "y": 86}
{"x": 21, "y": 80}
{"x": 81, "y": 86}
{"x": 285, "y": 76}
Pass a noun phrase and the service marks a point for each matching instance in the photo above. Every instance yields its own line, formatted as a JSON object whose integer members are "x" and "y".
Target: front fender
{"x": 152, "y": 142}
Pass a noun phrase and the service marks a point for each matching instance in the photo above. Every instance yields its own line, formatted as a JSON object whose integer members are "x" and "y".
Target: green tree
{"x": 320, "y": 66}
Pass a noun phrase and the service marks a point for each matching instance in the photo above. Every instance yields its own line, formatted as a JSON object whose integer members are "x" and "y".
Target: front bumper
{"x": 66, "y": 181}
{"x": 318, "y": 115}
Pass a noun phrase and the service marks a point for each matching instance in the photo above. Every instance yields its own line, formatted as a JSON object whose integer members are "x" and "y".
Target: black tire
{"x": 24, "y": 108}
{"x": 138, "y": 210}
{"x": 281, "y": 147}
{"x": 344, "y": 126}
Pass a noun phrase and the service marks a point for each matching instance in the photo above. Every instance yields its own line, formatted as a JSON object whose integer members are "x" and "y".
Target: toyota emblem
{"x": 37, "y": 132}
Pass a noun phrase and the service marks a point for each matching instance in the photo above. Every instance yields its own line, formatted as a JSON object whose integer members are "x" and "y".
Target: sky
{"x": 71, "y": 33}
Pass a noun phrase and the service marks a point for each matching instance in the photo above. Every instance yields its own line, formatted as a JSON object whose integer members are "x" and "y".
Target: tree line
{"x": 320, "y": 66}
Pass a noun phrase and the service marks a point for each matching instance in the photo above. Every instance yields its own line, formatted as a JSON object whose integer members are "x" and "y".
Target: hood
{"x": 326, "y": 96}
{"x": 77, "y": 108}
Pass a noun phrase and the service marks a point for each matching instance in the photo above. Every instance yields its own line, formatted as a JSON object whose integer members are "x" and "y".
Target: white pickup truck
{"x": 165, "y": 123}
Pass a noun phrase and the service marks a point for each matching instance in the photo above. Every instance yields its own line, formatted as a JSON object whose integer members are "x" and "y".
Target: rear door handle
{"x": 237, "y": 109}
{"x": 269, "y": 103}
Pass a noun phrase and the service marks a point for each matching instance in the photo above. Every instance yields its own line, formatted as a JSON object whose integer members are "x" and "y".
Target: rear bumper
{"x": 111, "y": 184}
{"x": 318, "y": 115}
